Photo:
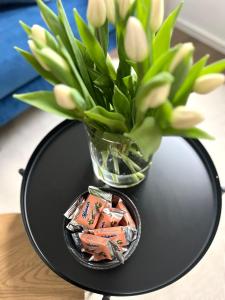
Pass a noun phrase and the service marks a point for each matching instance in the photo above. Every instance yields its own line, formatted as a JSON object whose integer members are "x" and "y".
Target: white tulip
{"x": 207, "y": 83}
{"x": 63, "y": 96}
{"x": 157, "y": 14}
{"x": 135, "y": 42}
{"x": 34, "y": 49}
{"x": 184, "y": 50}
{"x": 38, "y": 33}
{"x": 110, "y": 10}
{"x": 185, "y": 118}
{"x": 124, "y": 6}
{"x": 96, "y": 12}
{"x": 156, "y": 97}
{"x": 55, "y": 58}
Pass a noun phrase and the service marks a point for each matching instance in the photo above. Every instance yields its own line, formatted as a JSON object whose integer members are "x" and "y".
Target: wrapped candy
{"x": 87, "y": 213}
{"x": 110, "y": 217}
{"x": 96, "y": 245}
{"x": 120, "y": 235}
{"x": 127, "y": 219}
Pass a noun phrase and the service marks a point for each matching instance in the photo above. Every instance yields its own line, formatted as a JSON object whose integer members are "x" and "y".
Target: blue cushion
{"x": 21, "y": 2}
{"x": 15, "y": 71}
{"x": 10, "y": 108}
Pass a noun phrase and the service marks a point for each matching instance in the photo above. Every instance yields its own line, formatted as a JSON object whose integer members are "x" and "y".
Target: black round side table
{"x": 179, "y": 204}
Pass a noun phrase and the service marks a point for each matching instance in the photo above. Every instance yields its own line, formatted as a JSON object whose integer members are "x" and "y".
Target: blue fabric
{"x": 10, "y": 108}
{"x": 15, "y": 71}
{"x": 21, "y": 2}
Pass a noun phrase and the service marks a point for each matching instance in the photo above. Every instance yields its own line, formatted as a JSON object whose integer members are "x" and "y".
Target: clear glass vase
{"x": 116, "y": 160}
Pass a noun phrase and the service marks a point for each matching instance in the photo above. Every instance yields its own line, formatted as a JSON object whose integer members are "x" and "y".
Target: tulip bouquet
{"x": 126, "y": 110}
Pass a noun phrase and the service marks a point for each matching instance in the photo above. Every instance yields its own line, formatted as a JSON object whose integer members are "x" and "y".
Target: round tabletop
{"x": 179, "y": 204}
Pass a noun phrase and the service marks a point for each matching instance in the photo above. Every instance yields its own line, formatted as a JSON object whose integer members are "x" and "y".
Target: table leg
{"x": 105, "y": 297}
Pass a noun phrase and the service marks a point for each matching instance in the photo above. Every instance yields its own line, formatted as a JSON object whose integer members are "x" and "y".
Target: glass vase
{"x": 116, "y": 160}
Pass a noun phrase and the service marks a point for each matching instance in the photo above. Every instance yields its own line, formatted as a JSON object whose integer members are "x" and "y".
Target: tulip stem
{"x": 140, "y": 70}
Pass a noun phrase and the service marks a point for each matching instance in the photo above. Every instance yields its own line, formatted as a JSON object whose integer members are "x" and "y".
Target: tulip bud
{"x": 135, "y": 42}
{"x": 39, "y": 33}
{"x": 38, "y": 58}
{"x": 110, "y": 10}
{"x": 157, "y": 14}
{"x": 63, "y": 96}
{"x": 184, "y": 50}
{"x": 96, "y": 12}
{"x": 124, "y": 6}
{"x": 207, "y": 83}
{"x": 185, "y": 118}
{"x": 156, "y": 97}
{"x": 54, "y": 57}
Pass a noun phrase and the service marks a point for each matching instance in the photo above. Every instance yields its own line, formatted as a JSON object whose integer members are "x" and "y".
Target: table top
{"x": 179, "y": 204}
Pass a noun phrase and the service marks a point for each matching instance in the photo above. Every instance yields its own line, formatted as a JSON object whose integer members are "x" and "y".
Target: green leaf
{"x": 102, "y": 81}
{"x": 45, "y": 101}
{"x": 143, "y": 12}
{"x": 113, "y": 121}
{"x": 194, "y": 133}
{"x": 79, "y": 60}
{"x": 161, "y": 64}
{"x": 88, "y": 61}
{"x": 216, "y": 67}
{"x": 92, "y": 45}
{"x": 102, "y": 34}
{"x": 147, "y": 136}
{"x": 180, "y": 74}
{"x": 161, "y": 43}
{"x": 25, "y": 27}
{"x": 111, "y": 69}
{"x": 164, "y": 113}
{"x": 121, "y": 104}
{"x": 79, "y": 82}
{"x": 182, "y": 94}
{"x": 31, "y": 59}
{"x": 130, "y": 83}
{"x": 53, "y": 22}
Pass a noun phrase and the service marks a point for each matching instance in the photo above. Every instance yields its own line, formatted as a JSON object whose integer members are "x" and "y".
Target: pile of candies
{"x": 101, "y": 225}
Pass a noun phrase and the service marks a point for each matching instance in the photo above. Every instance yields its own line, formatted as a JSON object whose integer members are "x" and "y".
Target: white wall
{"x": 203, "y": 19}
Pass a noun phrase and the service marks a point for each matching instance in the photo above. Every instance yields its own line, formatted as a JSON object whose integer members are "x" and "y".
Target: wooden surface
{"x": 23, "y": 275}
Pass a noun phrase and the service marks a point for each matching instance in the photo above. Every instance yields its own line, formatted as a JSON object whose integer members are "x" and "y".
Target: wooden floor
{"x": 23, "y": 276}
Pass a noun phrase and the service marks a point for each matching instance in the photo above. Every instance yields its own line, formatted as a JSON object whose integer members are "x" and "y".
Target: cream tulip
{"x": 34, "y": 49}
{"x": 157, "y": 14}
{"x": 156, "y": 97}
{"x": 63, "y": 96}
{"x": 183, "y": 51}
{"x": 54, "y": 57}
{"x": 185, "y": 118}
{"x": 135, "y": 42}
{"x": 124, "y": 6}
{"x": 110, "y": 10}
{"x": 96, "y": 12}
{"x": 38, "y": 33}
{"x": 207, "y": 83}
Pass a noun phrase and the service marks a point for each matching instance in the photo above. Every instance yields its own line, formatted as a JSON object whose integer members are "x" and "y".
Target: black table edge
{"x": 196, "y": 144}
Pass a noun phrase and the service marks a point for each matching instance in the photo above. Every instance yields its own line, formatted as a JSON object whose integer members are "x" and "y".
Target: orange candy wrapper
{"x": 110, "y": 217}
{"x": 120, "y": 235}
{"x": 127, "y": 219}
{"x": 96, "y": 245}
{"x": 90, "y": 212}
